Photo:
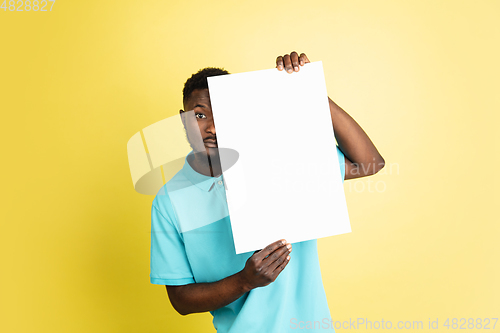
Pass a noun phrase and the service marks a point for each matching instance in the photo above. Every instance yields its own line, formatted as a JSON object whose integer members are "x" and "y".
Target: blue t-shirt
{"x": 192, "y": 242}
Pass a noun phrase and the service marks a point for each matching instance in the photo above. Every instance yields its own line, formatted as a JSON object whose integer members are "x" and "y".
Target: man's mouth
{"x": 210, "y": 143}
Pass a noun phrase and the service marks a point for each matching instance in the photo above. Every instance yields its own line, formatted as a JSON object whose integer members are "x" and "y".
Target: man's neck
{"x": 205, "y": 164}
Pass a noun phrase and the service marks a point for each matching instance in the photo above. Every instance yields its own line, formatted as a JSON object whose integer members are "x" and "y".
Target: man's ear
{"x": 181, "y": 113}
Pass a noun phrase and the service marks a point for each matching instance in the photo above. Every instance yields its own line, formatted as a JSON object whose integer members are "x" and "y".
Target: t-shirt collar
{"x": 203, "y": 182}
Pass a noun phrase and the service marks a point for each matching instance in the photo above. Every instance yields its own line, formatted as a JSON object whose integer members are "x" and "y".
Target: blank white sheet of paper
{"x": 287, "y": 182}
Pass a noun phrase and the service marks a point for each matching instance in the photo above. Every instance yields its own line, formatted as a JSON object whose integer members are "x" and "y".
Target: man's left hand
{"x": 291, "y": 62}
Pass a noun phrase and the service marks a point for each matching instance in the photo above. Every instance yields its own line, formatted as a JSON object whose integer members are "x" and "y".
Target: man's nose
{"x": 211, "y": 128}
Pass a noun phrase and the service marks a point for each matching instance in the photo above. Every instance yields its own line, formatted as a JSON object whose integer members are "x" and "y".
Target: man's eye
{"x": 200, "y": 116}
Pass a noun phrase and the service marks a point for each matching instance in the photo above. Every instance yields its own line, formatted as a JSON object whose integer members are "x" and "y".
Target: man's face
{"x": 199, "y": 102}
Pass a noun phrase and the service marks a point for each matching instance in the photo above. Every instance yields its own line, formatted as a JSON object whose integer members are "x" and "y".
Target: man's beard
{"x": 206, "y": 158}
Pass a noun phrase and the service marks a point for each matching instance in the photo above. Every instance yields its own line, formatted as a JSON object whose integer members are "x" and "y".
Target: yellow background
{"x": 421, "y": 77}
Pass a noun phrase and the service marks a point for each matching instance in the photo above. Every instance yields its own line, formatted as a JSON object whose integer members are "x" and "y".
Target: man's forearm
{"x": 261, "y": 269}
{"x": 353, "y": 141}
{"x": 203, "y": 297}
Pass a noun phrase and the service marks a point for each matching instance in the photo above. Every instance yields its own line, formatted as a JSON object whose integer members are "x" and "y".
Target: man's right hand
{"x": 264, "y": 266}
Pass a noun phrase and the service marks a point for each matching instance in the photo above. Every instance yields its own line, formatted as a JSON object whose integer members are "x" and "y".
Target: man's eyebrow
{"x": 200, "y": 105}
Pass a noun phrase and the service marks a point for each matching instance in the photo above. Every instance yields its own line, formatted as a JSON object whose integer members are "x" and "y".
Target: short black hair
{"x": 199, "y": 80}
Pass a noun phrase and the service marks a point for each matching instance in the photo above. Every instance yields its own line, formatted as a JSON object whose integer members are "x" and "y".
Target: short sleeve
{"x": 341, "y": 158}
{"x": 169, "y": 262}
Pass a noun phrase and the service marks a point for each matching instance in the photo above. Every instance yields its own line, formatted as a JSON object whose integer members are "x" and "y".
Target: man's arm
{"x": 361, "y": 157}
{"x": 261, "y": 269}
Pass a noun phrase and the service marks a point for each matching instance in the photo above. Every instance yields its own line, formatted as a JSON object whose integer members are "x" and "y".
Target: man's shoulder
{"x": 162, "y": 200}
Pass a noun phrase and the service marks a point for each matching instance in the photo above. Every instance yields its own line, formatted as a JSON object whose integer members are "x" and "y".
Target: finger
{"x": 277, "y": 257}
{"x": 279, "y": 63}
{"x": 287, "y": 63}
{"x": 262, "y": 254}
{"x": 280, "y": 267}
{"x": 294, "y": 57}
{"x": 303, "y": 59}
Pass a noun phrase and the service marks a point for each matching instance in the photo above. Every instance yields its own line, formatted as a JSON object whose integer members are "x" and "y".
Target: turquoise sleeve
{"x": 341, "y": 157}
{"x": 169, "y": 262}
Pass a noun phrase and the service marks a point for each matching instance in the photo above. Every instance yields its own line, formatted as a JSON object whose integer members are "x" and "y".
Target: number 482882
{"x": 27, "y": 5}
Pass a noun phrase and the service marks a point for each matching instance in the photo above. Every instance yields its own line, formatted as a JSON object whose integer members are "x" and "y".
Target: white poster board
{"x": 287, "y": 182}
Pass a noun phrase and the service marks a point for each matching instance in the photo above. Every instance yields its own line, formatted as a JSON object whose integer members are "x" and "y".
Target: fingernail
{"x": 287, "y": 257}
{"x": 297, "y": 69}
{"x": 289, "y": 246}
{"x": 283, "y": 242}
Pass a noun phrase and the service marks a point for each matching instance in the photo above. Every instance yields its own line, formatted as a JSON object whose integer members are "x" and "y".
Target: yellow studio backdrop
{"x": 77, "y": 81}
